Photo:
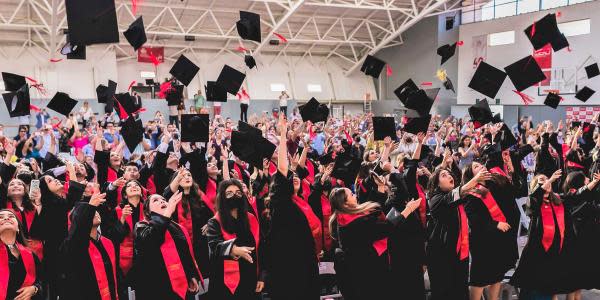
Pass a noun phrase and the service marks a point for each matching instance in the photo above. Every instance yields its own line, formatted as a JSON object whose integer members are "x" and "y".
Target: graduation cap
{"x": 346, "y": 167}
{"x": 136, "y": 34}
{"x": 184, "y": 70}
{"x": 326, "y": 158}
{"x": 250, "y": 147}
{"x": 525, "y": 73}
{"x": 545, "y": 31}
{"x": 505, "y": 137}
{"x": 105, "y": 92}
{"x": 127, "y": 102}
{"x": 194, "y": 128}
{"x": 372, "y": 66}
{"x": 231, "y": 79}
{"x": 416, "y": 125}
{"x": 552, "y": 100}
{"x": 480, "y": 113}
{"x": 77, "y": 52}
{"x": 13, "y": 82}
{"x": 248, "y": 27}
{"x": 584, "y": 94}
{"x": 592, "y": 70}
{"x": 446, "y": 52}
{"x": 496, "y": 119}
{"x": 421, "y": 100}
{"x": 250, "y": 62}
{"x": 62, "y": 104}
{"x": 214, "y": 92}
{"x": 132, "y": 131}
{"x": 17, "y": 102}
{"x": 92, "y": 22}
{"x": 487, "y": 79}
{"x": 404, "y": 90}
{"x": 314, "y": 111}
{"x": 384, "y": 127}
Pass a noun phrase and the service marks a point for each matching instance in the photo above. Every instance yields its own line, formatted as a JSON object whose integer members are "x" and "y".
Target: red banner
{"x": 544, "y": 59}
{"x": 151, "y": 54}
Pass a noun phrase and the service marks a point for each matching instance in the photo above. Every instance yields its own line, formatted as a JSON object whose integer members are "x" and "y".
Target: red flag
{"x": 388, "y": 70}
{"x": 280, "y": 37}
{"x": 130, "y": 85}
{"x": 122, "y": 113}
{"x": 154, "y": 60}
{"x": 526, "y": 98}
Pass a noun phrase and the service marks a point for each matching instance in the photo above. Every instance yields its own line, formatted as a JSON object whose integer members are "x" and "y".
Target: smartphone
{"x": 35, "y": 185}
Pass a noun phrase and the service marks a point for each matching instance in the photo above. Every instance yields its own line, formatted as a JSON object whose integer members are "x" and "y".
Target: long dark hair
{"x": 225, "y": 216}
{"x": 552, "y": 196}
{"x": 20, "y": 235}
{"x": 124, "y": 200}
{"x": 497, "y": 179}
{"x": 434, "y": 181}
{"x": 461, "y": 144}
{"x": 45, "y": 190}
{"x": 193, "y": 199}
{"x": 574, "y": 180}
{"x": 26, "y": 202}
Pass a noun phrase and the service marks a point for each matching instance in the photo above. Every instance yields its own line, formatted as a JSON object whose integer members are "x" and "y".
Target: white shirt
{"x": 283, "y": 100}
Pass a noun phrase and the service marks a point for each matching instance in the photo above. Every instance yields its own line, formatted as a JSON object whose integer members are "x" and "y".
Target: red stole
{"x": 361, "y": 186}
{"x": 231, "y": 268}
{"x": 150, "y": 186}
{"x": 185, "y": 220}
{"x": 380, "y": 246}
{"x": 34, "y": 245}
{"x": 462, "y": 243}
{"x": 126, "y": 247}
{"x": 272, "y": 168}
{"x": 548, "y": 210}
{"x": 572, "y": 164}
{"x": 264, "y": 191}
{"x": 111, "y": 175}
{"x": 174, "y": 266}
{"x": 28, "y": 262}
{"x": 305, "y": 188}
{"x": 326, "y": 209}
{"x": 210, "y": 194}
{"x": 100, "y": 271}
{"x": 252, "y": 201}
{"x": 497, "y": 170}
{"x": 310, "y": 167}
{"x": 423, "y": 205}
{"x": 492, "y": 206}
{"x": 313, "y": 222}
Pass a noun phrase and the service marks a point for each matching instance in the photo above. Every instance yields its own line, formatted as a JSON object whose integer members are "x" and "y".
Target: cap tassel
{"x": 122, "y": 113}
{"x": 154, "y": 60}
{"x": 34, "y": 108}
{"x": 139, "y": 111}
{"x": 460, "y": 43}
{"x": 558, "y": 14}
{"x": 526, "y": 98}
{"x": 241, "y": 49}
{"x": 130, "y": 85}
{"x": 532, "y": 30}
{"x": 55, "y": 60}
{"x": 164, "y": 89}
{"x": 427, "y": 83}
{"x": 57, "y": 124}
{"x": 280, "y": 37}
{"x": 244, "y": 93}
{"x": 388, "y": 70}
{"x": 134, "y": 6}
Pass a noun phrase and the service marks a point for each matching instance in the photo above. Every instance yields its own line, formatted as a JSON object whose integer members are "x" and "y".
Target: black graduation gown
{"x": 407, "y": 242}
{"x": 260, "y": 190}
{"x": 81, "y": 282}
{"x": 17, "y": 273}
{"x": 366, "y": 272}
{"x": 220, "y": 250}
{"x": 152, "y": 278}
{"x": 294, "y": 271}
{"x": 540, "y": 270}
{"x": 493, "y": 252}
{"x": 448, "y": 274}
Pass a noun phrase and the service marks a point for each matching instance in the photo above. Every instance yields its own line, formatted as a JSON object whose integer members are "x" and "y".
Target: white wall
{"x": 79, "y": 78}
{"x": 582, "y": 47}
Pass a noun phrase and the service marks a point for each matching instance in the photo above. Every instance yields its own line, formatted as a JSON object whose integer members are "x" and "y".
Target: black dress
{"x": 448, "y": 274}
{"x": 294, "y": 271}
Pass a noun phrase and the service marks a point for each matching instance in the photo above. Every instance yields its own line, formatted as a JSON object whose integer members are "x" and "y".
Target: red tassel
{"x": 31, "y": 79}
{"x": 134, "y": 5}
{"x": 57, "y": 124}
{"x": 54, "y": 60}
{"x": 388, "y": 70}
{"x": 532, "y": 30}
{"x": 130, "y": 85}
{"x": 558, "y": 14}
{"x": 239, "y": 96}
{"x": 139, "y": 111}
{"x": 569, "y": 49}
{"x": 426, "y": 83}
{"x": 526, "y": 98}
{"x": 280, "y": 37}
{"x": 460, "y": 43}
{"x": 241, "y": 49}
{"x": 122, "y": 113}
{"x": 34, "y": 108}
{"x": 245, "y": 93}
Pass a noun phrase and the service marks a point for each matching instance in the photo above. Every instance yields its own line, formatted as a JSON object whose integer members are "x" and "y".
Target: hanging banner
{"x": 543, "y": 57}
{"x": 151, "y": 55}
{"x": 479, "y": 48}
{"x": 581, "y": 113}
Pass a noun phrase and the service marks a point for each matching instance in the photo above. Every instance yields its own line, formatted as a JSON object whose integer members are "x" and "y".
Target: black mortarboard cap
{"x": 106, "y": 92}
{"x": 592, "y": 70}
{"x": 128, "y": 102}
{"x": 194, "y": 128}
{"x": 214, "y": 92}
{"x": 314, "y": 111}
{"x": 480, "y": 113}
{"x": 552, "y": 100}
{"x": 487, "y": 80}
{"x": 416, "y": 125}
{"x": 248, "y": 26}
{"x": 545, "y": 31}
{"x": 136, "y": 34}
{"x": 384, "y": 127}
{"x": 372, "y": 66}
{"x": 132, "y": 131}
{"x": 448, "y": 85}
{"x": 92, "y": 22}
{"x": 77, "y": 52}
{"x": 560, "y": 43}
{"x": 506, "y": 137}
{"x": 184, "y": 70}
{"x": 250, "y": 147}
{"x": 404, "y": 90}
{"x": 62, "y": 104}
{"x": 525, "y": 73}
{"x": 446, "y": 52}
{"x": 231, "y": 79}
{"x": 17, "y": 102}
{"x": 250, "y": 62}
{"x": 346, "y": 167}
{"x": 575, "y": 124}
{"x": 421, "y": 100}
{"x": 496, "y": 119}
{"x": 13, "y": 82}
{"x": 584, "y": 94}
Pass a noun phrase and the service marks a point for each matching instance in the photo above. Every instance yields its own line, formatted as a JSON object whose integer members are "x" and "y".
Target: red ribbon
{"x": 28, "y": 262}
{"x": 99, "y": 267}
{"x": 462, "y": 243}
{"x": 126, "y": 247}
{"x": 492, "y": 206}
{"x": 280, "y": 37}
{"x": 174, "y": 266}
{"x": 548, "y": 210}
{"x": 524, "y": 97}
{"x": 130, "y": 85}
{"x": 388, "y": 70}
{"x": 460, "y": 43}
{"x": 122, "y": 113}
{"x": 326, "y": 210}
{"x": 426, "y": 83}
{"x": 532, "y": 30}
{"x": 423, "y": 205}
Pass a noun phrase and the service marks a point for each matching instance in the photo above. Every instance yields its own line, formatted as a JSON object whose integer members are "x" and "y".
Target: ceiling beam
{"x": 278, "y": 25}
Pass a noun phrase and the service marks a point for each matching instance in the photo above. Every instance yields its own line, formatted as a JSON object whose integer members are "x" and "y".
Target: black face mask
{"x": 235, "y": 202}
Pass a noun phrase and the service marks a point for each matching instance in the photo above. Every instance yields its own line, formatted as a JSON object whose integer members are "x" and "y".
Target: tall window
{"x": 501, "y": 38}
{"x": 495, "y": 9}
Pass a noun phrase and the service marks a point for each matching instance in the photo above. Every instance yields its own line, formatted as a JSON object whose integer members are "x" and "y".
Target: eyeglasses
{"x": 230, "y": 194}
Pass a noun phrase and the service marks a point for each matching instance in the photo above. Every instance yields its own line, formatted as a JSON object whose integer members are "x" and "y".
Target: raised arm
{"x": 282, "y": 155}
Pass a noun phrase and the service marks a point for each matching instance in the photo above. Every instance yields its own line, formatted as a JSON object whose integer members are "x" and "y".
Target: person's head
{"x": 157, "y": 114}
{"x": 110, "y": 127}
{"x": 80, "y": 170}
{"x": 186, "y": 179}
{"x": 131, "y": 171}
{"x": 211, "y": 167}
{"x": 574, "y": 181}
{"x": 86, "y": 104}
{"x": 9, "y": 223}
{"x": 441, "y": 180}
{"x": 342, "y": 199}
{"x": 296, "y": 183}
{"x": 155, "y": 204}
{"x": 471, "y": 169}
{"x": 370, "y": 156}
{"x": 22, "y": 131}
{"x": 132, "y": 189}
{"x": 230, "y": 195}
{"x": 170, "y": 128}
{"x": 172, "y": 161}
{"x": 115, "y": 160}
{"x": 540, "y": 179}
{"x": 465, "y": 141}
{"x": 49, "y": 184}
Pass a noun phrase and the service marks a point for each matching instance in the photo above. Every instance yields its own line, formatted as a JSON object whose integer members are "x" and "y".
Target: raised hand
{"x": 97, "y": 199}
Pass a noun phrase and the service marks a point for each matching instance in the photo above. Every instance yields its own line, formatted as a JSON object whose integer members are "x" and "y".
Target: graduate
{"x": 363, "y": 230}
{"x": 165, "y": 264}
{"x": 89, "y": 259}
{"x": 20, "y": 269}
{"x": 235, "y": 250}
{"x": 448, "y": 240}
